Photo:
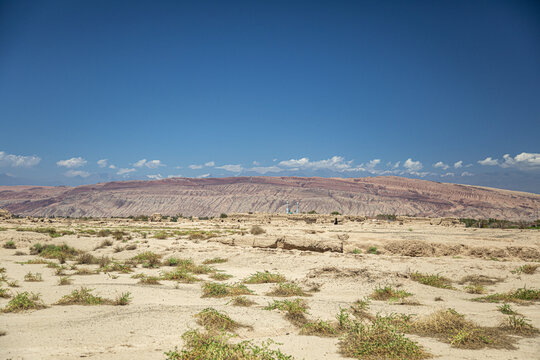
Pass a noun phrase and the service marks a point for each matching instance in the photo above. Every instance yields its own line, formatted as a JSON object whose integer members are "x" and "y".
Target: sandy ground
{"x": 159, "y": 314}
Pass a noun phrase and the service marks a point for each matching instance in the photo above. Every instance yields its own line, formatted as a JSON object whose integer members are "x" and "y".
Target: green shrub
{"x": 434, "y": 280}
{"x": 10, "y": 245}
{"x": 264, "y": 278}
{"x": 215, "y": 346}
{"x": 24, "y": 301}
{"x": 211, "y": 289}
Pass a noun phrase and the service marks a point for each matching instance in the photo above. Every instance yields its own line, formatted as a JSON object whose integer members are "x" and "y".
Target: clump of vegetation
{"x": 294, "y": 309}
{"x": 5, "y": 293}
{"x": 9, "y": 245}
{"x": 215, "y": 346}
{"x": 518, "y": 325}
{"x": 452, "y": 327}
{"x": 213, "y": 320}
{"x": 61, "y": 252}
{"x": 82, "y": 296}
{"x": 241, "y": 301}
{"x": 435, "y": 280}
{"x": 220, "y": 276}
{"x": 379, "y": 339}
{"x": 287, "y": 289}
{"x": 264, "y": 278}
{"x": 223, "y": 216}
{"x": 212, "y": 289}
{"x": 104, "y": 233}
{"x": 172, "y": 261}
{"x": 335, "y": 213}
{"x": 52, "y": 232}
{"x": 373, "y": 250}
{"x": 389, "y": 217}
{"x": 149, "y": 280}
{"x": 216, "y": 260}
{"x": 257, "y": 230}
{"x": 521, "y": 295}
{"x": 33, "y": 277}
{"x": 161, "y": 235}
{"x": 25, "y": 301}
{"x": 105, "y": 243}
{"x": 87, "y": 259}
{"x": 528, "y": 269}
{"x": 116, "y": 266}
{"x": 500, "y": 224}
{"x": 180, "y": 275}
{"x": 389, "y": 293}
{"x": 479, "y": 280}
{"x": 86, "y": 271}
{"x": 148, "y": 259}
{"x": 475, "y": 289}
{"x": 320, "y": 328}
{"x": 123, "y": 299}
{"x": 507, "y": 309}
{"x": 65, "y": 280}
{"x": 118, "y": 235}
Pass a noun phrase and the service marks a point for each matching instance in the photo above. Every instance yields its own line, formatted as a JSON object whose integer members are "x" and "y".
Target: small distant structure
{"x": 289, "y": 211}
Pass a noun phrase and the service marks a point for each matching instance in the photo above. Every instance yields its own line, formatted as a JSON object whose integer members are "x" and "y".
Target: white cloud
{"x": 441, "y": 165}
{"x": 266, "y": 169}
{"x": 124, "y": 171}
{"x": 372, "y": 163}
{"x": 152, "y": 164}
{"x": 72, "y": 163}
{"x": 18, "y": 160}
{"x": 396, "y": 165}
{"x": 231, "y": 168}
{"x": 448, "y": 174}
{"x": 203, "y": 176}
{"x": 195, "y": 167}
{"x": 74, "y": 173}
{"x": 112, "y": 166}
{"x": 155, "y": 177}
{"x": 174, "y": 176}
{"x": 522, "y": 161}
{"x": 412, "y": 165}
{"x": 489, "y": 161}
{"x": 102, "y": 163}
{"x": 210, "y": 163}
{"x": 458, "y": 164}
{"x": 335, "y": 163}
{"x": 466, "y": 173}
{"x": 256, "y": 163}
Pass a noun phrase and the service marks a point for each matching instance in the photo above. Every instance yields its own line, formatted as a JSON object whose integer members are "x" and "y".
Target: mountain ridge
{"x": 212, "y": 196}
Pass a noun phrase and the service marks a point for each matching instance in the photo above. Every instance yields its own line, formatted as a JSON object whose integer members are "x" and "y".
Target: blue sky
{"x": 423, "y": 89}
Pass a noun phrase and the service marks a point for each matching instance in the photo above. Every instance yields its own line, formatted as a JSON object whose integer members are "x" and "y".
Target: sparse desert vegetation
{"x": 333, "y": 297}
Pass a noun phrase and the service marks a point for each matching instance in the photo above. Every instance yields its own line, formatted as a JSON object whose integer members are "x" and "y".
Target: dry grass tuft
{"x": 215, "y": 346}
{"x": 211, "y": 289}
{"x": 451, "y": 327}
{"x": 264, "y": 278}
{"x": 257, "y": 230}
{"x": 213, "y": 320}
{"x": 216, "y": 260}
{"x": 434, "y": 280}
{"x": 389, "y": 293}
{"x": 287, "y": 289}
{"x": 241, "y": 301}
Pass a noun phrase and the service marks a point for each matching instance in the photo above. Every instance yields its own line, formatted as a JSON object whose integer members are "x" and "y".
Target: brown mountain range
{"x": 353, "y": 196}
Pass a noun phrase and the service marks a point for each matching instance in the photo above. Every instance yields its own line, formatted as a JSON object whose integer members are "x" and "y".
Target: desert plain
{"x": 404, "y": 279}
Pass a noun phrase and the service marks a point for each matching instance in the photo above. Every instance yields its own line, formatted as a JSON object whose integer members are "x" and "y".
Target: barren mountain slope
{"x": 360, "y": 196}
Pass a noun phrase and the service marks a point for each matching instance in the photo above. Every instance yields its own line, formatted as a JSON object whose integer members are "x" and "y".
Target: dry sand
{"x": 159, "y": 314}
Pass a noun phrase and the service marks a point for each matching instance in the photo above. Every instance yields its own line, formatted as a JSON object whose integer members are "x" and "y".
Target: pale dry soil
{"x": 159, "y": 314}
